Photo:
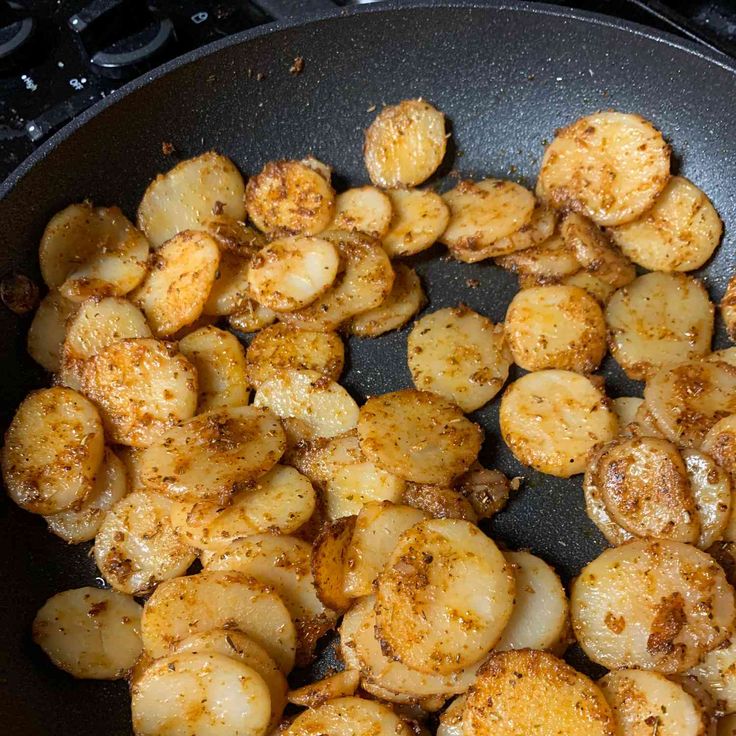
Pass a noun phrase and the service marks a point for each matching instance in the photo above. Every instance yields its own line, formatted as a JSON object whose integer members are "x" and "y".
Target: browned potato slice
{"x": 222, "y": 372}
{"x": 659, "y": 319}
{"x": 728, "y": 308}
{"x": 460, "y": 355}
{"x": 48, "y": 330}
{"x": 610, "y": 166}
{"x": 720, "y": 443}
{"x": 330, "y": 562}
{"x": 441, "y": 566}
{"x": 528, "y": 691}
{"x": 53, "y": 450}
{"x": 711, "y": 488}
{"x": 341, "y": 685}
{"x": 552, "y": 419}
{"x": 213, "y": 455}
{"x": 418, "y": 436}
{"x": 420, "y": 216}
{"x": 717, "y": 672}
{"x": 484, "y": 214}
{"x": 141, "y": 387}
{"x": 596, "y": 287}
{"x": 439, "y": 502}
{"x": 321, "y": 457}
{"x": 405, "y": 144}
{"x": 289, "y": 197}
{"x": 651, "y": 604}
{"x": 251, "y": 317}
{"x": 234, "y": 236}
{"x": 546, "y": 263}
{"x": 92, "y": 251}
{"x": 402, "y": 303}
{"x": 365, "y": 209}
{"x": 556, "y": 326}
{"x": 486, "y": 490}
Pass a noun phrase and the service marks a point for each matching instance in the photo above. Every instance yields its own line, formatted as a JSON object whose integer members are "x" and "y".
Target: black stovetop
{"x": 57, "y": 57}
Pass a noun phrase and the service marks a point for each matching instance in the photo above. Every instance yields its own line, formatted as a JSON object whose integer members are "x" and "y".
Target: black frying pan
{"x": 507, "y": 75}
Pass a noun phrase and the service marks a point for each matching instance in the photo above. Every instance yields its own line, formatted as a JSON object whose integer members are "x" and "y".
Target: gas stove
{"x": 58, "y": 57}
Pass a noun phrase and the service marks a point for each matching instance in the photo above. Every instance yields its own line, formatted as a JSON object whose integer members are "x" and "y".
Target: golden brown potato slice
{"x": 711, "y": 488}
{"x": 546, "y": 263}
{"x": 720, "y": 443}
{"x": 717, "y": 672}
{"x": 610, "y": 166}
{"x": 418, "y": 436}
{"x": 341, "y": 685}
{"x": 420, "y": 216}
{"x": 439, "y": 502}
{"x": 251, "y": 317}
{"x": 728, "y": 308}
{"x": 53, "y": 450}
{"x": 487, "y": 490}
{"x": 48, "y": 330}
{"x": 330, "y": 562}
{"x": 365, "y": 209}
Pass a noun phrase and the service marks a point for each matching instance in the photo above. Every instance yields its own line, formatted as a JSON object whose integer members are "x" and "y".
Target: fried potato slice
{"x": 48, "y": 330}
{"x": 222, "y": 372}
{"x": 626, "y": 408}
{"x": 552, "y": 419}
{"x": 187, "y": 196}
{"x": 251, "y": 317}
{"x": 451, "y": 719}
{"x": 340, "y": 685}
{"x": 546, "y": 263}
{"x": 136, "y": 546}
{"x": 459, "y": 355}
{"x": 320, "y": 458}
{"x": 92, "y": 251}
{"x": 711, "y": 488}
{"x": 289, "y": 197}
{"x": 330, "y": 563}
{"x": 717, "y": 672}
{"x": 439, "y": 502}
{"x": 596, "y": 287}
{"x": 487, "y": 490}
{"x": 365, "y": 209}
{"x": 211, "y": 456}
{"x": 90, "y": 633}
{"x": 658, "y": 320}
{"x": 405, "y": 144}
{"x": 441, "y": 566}
{"x": 556, "y": 326}
{"x": 720, "y": 443}
{"x": 53, "y": 450}
{"x": 484, "y": 214}
{"x": 420, "y": 216}
{"x": 418, "y": 436}
{"x": 728, "y": 308}
{"x": 610, "y": 166}
{"x": 141, "y": 387}
{"x": 651, "y": 604}
{"x": 230, "y": 292}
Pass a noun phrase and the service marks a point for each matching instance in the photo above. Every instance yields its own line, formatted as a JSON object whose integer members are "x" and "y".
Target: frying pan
{"x": 506, "y": 74}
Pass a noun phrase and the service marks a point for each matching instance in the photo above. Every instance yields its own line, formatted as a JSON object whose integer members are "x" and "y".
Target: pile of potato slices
{"x": 243, "y": 505}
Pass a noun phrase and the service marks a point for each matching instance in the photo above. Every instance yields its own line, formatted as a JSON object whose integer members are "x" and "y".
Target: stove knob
{"x": 16, "y": 30}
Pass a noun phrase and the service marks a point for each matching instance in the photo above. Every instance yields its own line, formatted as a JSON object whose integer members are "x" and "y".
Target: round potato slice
{"x": 679, "y": 233}
{"x": 290, "y": 197}
{"x": 484, "y": 214}
{"x": 659, "y": 319}
{"x": 365, "y": 209}
{"x": 556, "y": 326}
{"x": 207, "y": 694}
{"x": 251, "y": 317}
{"x": 717, "y": 672}
{"x": 90, "y": 633}
{"x": 651, "y": 604}
{"x": 418, "y": 436}
{"x": 566, "y": 701}
{"x": 53, "y": 450}
{"x": 610, "y": 166}
{"x": 405, "y": 144}
{"x": 48, "y": 330}
{"x": 353, "y": 485}
{"x": 546, "y": 263}
{"x": 329, "y": 563}
{"x": 552, "y": 419}
{"x": 460, "y": 355}
{"x": 711, "y": 488}
{"x": 420, "y": 216}
{"x": 442, "y": 565}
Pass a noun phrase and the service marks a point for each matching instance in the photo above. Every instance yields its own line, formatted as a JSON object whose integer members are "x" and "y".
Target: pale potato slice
{"x": 141, "y": 387}
{"x": 645, "y": 424}
{"x": 188, "y": 195}
{"x": 219, "y": 360}
{"x": 420, "y": 216}
{"x": 310, "y": 404}
{"x": 552, "y": 419}
{"x": 610, "y": 166}
{"x": 540, "y": 619}
{"x": 556, "y": 326}
{"x": 451, "y": 719}
{"x": 353, "y": 485}
{"x": 289, "y": 197}
{"x": 136, "y": 546}
{"x": 658, "y": 320}
{"x": 626, "y": 408}
{"x": 340, "y": 685}
{"x": 330, "y": 563}
{"x": 528, "y": 691}
{"x": 364, "y": 283}
{"x": 439, "y": 502}
{"x": 48, "y": 330}
{"x": 251, "y": 317}
{"x": 418, "y": 436}
{"x": 378, "y": 527}
{"x": 282, "y": 346}
{"x": 487, "y": 490}
{"x": 441, "y": 566}
{"x": 596, "y": 287}
{"x": 365, "y": 209}
{"x": 460, "y": 355}
{"x": 687, "y": 400}
{"x": 92, "y": 251}
{"x": 176, "y": 289}
{"x": 404, "y": 300}
{"x": 212, "y": 456}
{"x": 230, "y": 292}
{"x": 203, "y": 694}
{"x": 717, "y": 672}
{"x": 546, "y": 263}
{"x": 484, "y": 214}
{"x": 216, "y": 599}
{"x": 711, "y": 488}
{"x": 53, "y": 449}
{"x": 651, "y": 604}
{"x": 81, "y": 524}
{"x": 405, "y": 144}
{"x": 679, "y": 233}
{"x": 643, "y": 701}
{"x": 90, "y": 633}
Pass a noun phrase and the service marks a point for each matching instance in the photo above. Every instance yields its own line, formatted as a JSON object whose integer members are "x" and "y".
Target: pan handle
{"x": 283, "y": 9}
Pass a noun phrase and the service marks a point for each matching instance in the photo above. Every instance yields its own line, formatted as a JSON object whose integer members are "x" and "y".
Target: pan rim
{"x": 386, "y": 6}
